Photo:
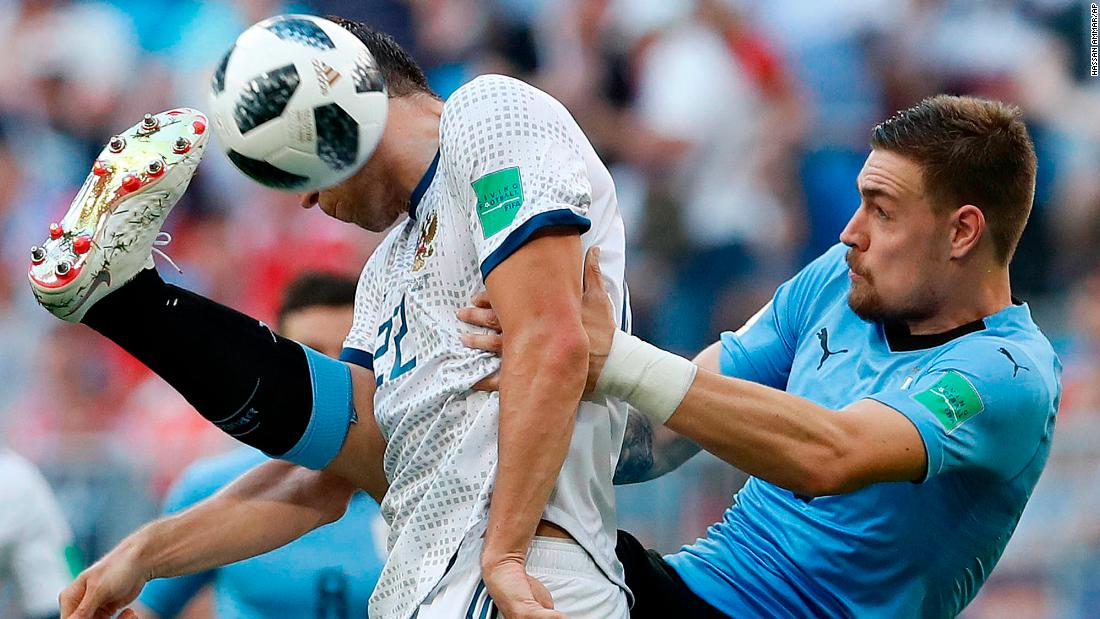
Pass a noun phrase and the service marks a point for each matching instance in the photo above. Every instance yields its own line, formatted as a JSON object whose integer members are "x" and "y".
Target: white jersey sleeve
{"x": 34, "y": 537}
{"x": 516, "y": 166}
{"x": 358, "y": 345}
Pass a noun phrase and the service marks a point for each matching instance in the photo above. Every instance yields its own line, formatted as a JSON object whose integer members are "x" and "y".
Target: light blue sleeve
{"x": 763, "y": 350}
{"x": 168, "y": 596}
{"x": 983, "y": 405}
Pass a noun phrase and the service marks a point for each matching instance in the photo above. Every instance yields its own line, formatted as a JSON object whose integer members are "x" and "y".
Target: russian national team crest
{"x": 424, "y": 248}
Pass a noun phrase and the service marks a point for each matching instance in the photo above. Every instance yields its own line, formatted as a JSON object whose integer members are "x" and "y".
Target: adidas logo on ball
{"x": 326, "y": 75}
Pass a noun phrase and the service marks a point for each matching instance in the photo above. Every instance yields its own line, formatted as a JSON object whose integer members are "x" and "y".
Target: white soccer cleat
{"x": 107, "y": 235}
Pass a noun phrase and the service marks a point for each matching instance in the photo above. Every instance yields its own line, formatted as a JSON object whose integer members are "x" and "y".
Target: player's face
{"x": 365, "y": 199}
{"x": 898, "y": 246}
{"x": 320, "y": 327}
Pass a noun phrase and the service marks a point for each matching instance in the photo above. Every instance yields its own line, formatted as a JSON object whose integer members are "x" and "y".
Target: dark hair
{"x": 316, "y": 289}
{"x": 971, "y": 151}
{"x": 403, "y": 76}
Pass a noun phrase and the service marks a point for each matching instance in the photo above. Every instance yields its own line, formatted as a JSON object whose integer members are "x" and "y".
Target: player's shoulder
{"x": 821, "y": 284}
{"x": 20, "y": 476}
{"x": 206, "y": 476}
{"x": 485, "y": 89}
{"x": 490, "y": 102}
{"x": 1010, "y": 355}
{"x": 831, "y": 264}
{"x": 13, "y": 465}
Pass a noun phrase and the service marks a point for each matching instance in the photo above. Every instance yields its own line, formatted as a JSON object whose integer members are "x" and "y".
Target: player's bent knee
{"x": 331, "y": 416}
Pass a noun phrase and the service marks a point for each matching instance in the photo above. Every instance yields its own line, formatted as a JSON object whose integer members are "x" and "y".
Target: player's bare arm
{"x": 267, "y": 507}
{"x": 649, "y": 450}
{"x": 359, "y": 461}
{"x": 270, "y": 506}
{"x": 767, "y": 433}
{"x": 652, "y": 450}
{"x": 778, "y": 437}
{"x": 537, "y": 296}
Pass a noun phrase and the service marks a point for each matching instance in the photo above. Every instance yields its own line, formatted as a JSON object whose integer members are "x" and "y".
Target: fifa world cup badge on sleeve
{"x": 499, "y": 198}
{"x": 953, "y": 400}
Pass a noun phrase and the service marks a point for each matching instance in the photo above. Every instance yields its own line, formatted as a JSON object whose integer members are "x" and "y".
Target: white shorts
{"x": 579, "y": 588}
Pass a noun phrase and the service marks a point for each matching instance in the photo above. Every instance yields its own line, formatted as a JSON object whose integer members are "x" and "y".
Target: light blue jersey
{"x": 983, "y": 397}
{"x": 327, "y": 574}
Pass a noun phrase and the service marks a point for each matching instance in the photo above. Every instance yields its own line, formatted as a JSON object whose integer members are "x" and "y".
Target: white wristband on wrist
{"x": 651, "y": 380}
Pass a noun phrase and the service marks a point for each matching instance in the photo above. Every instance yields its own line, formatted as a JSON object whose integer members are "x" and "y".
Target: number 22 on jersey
{"x": 395, "y": 337}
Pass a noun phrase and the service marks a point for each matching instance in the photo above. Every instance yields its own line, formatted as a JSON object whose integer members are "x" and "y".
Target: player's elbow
{"x": 326, "y": 494}
{"x": 826, "y": 467}
{"x": 337, "y": 497}
{"x": 560, "y": 352}
{"x": 823, "y": 479}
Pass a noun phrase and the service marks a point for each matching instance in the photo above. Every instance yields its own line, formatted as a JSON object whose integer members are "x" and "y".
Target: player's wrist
{"x": 652, "y": 380}
{"x": 135, "y": 554}
{"x": 493, "y": 559}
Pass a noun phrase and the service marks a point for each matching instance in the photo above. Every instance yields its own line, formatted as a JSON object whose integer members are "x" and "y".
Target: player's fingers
{"x": 69, "y": 599}
{"x": 92, "y": 600}
{"x": 481, "y": 299}
{"x": 480, "y": 317}
{"x": 592, "y": 279}
{"x": 87, "y": 607}
{"x": 489, "y": 383}
{"x": 540, "y": 592}
{"x": 491, "y": 342}
{"x": 128, "y": 614}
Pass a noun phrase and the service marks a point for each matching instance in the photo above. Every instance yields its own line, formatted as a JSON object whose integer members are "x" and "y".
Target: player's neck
{"x": 412, "y": 139}
{"x": 968, "y": 300}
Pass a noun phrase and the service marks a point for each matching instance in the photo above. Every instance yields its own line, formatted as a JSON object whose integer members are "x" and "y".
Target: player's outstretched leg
{"x": 107, "y": 235}
{"x": 96, "y": 268}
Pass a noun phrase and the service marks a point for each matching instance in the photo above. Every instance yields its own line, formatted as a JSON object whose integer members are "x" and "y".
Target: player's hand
{"x": 104, "y": 588}
{"x": 596, "y": 313}
{"x": 516, "y": 593}
{"x": 598, "y": 317}
{"x": 481, "y": 314}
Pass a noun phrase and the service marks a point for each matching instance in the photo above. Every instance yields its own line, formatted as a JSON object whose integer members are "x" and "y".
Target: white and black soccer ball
{"x": 298, "y": 103}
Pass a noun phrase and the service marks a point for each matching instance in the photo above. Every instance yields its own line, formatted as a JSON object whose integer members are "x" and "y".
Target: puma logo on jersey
{"x": 1016, "y": 367}
{"x": 823, "y": 338}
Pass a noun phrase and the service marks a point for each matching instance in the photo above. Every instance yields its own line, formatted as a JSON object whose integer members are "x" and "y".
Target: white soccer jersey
{"x": 511, "y": 161}
{"x": 33, "y": 538}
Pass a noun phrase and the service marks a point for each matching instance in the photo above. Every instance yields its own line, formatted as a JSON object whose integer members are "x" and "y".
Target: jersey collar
{"x": 422, "y": 186}
{"x": 900, "y": 339}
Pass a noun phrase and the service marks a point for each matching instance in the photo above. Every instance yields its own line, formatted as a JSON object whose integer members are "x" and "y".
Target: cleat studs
{"x": 99, "y": 169}
{"x": 82, "y": 244}
{"x": 155, "y": 168}
{"x": 62, "y": 269}
{"x": 131, "y": 183}
{"x": 199, "y": 127}
{"x": 181, "y": 146}
{"x": 37, "y": 255}
{"x": 116, "y": 144}
{"x": 56, "y": 231}
{"x": 150, "y": 123}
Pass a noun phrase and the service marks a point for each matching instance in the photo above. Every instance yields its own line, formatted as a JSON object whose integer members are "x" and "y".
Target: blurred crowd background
{"x": 734, "y": 129}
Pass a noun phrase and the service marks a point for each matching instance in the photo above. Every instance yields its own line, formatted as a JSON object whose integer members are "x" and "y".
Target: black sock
{"x": 233, "y": 369}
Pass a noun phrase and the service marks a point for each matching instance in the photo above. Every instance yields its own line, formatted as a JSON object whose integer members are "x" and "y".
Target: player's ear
{"x": 967, "y": 229}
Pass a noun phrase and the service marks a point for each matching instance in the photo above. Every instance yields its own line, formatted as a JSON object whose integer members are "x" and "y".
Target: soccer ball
{"x": 298, "y": 103}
